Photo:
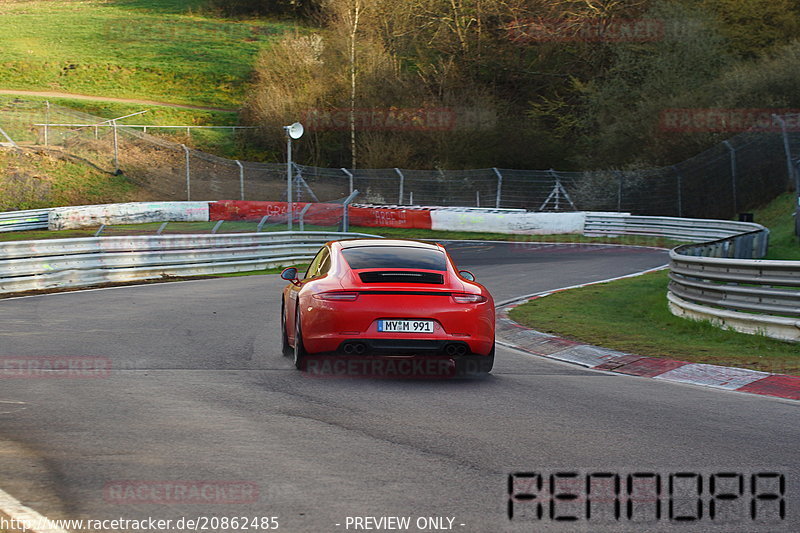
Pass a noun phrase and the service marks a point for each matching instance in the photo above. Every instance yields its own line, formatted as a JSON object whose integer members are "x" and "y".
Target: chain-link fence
{"x": 746, "y": 170}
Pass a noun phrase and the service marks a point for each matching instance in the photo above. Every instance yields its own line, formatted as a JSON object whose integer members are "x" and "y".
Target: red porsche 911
{"x": 382, "y": 297}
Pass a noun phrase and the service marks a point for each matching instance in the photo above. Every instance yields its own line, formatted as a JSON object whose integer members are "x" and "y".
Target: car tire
{"x": 299, "y": 354}
{"x": 475, "y": 365}
{"x": 286, "y": 348}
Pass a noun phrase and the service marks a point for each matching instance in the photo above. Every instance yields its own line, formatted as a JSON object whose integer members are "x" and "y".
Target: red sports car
{"x": 399, "y": 298}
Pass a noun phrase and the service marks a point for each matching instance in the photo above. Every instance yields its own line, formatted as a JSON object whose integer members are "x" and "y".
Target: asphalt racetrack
{"x": 198, "y": 395}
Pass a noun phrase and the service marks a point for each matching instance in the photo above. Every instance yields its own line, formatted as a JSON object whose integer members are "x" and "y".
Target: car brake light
{"x": 464, "y": 298}
{"x": 337, "y": 296}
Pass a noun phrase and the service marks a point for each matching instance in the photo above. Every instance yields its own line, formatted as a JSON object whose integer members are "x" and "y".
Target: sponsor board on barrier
{"x": 519, "y": 223}
{"x": 130, "y": 213}
{"x": 323, "y": 214}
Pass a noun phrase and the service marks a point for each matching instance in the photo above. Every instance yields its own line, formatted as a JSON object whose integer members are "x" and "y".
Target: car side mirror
{"x": 289, "y": 274}
{"x": 467, "y": 275}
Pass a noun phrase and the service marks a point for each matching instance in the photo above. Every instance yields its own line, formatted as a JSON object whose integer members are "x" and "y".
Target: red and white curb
{"x": 514, "y": 335}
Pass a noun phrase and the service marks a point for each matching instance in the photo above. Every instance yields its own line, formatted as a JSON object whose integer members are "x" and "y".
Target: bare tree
{"x": 352, "y": 17}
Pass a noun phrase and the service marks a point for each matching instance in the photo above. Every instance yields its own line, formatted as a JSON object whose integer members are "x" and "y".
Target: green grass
{"x": 777, "y": 216}
{"x": 37, "y": 180}
{"x": 167, "y": 51}
{"x": 220, "y": 142}
{"x": 631, "y": 315}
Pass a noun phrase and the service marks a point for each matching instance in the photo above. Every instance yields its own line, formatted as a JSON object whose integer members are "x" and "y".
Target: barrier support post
{"x": 116, "y": 147}
{"x": 302, "y": 217}
{"x": 499, "y": 188}
{"x": 350, "y": 177}
{"x": 241, "y": 179}
{"x": 188, "y": 174}
{"x": 346, "y": 210}
{"x": 402, "y": 184}
{"x": 732, "y": 150}
{"x": 680, "y": 190}
{"x": 787, "y": 150}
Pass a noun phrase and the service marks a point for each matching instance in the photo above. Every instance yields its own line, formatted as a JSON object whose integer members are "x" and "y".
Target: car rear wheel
{"x": 475, "y": 365}
{"x": 299, "y": 350}
{"x": 286, "y": 348}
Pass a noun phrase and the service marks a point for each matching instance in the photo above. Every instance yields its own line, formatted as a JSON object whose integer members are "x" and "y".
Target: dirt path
{"x": 53, "y": 94}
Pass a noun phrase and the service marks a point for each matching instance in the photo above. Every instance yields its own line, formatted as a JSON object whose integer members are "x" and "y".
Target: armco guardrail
{"x": 24, "y": 220}
{"x": 51, "y": 264}
{"x": 680, "y": 229}
{"x": 751, "y": 296}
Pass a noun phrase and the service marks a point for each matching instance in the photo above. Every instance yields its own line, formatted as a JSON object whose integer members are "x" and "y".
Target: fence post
{"x": 732, "y": 150}
{"x": 350, "y": 177}
{"x": 402, "y": 184}
{"x": 621, "y": 178}
{"x": 797, "y": 203}
{"x": 303, "y": 216}
{"x": 46, "y": 120}
{"x": 680, "y": 190}
{"x": 188, "y": 174}
{"x": 499, "y": 188}
{"x": 116, "y": 148}
{"x": 787, "y": 149}
{"x": 241, "y": 179}
{"x": 346, "y": 210}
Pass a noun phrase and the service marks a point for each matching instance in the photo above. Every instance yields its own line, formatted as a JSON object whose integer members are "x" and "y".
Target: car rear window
{"x": 395, "y": 257}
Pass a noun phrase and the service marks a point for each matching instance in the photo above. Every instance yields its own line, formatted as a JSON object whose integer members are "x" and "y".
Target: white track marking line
{"x": 14, "y": 510}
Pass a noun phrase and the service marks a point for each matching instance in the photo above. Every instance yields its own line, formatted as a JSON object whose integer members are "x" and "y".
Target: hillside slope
{"x": 158, "y": 50}
{"x": 40, "y": 178}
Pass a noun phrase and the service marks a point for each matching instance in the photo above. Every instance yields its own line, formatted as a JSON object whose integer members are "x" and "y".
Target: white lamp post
{"x": 294, "y": 131}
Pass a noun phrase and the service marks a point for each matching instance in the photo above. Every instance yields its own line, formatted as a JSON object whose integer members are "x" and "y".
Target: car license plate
{"x": 405, "y": 326}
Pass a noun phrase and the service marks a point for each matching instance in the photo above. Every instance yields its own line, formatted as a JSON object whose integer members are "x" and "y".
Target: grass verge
{"x": 166, "y": 51}
{"x": 219, "y": 142}
{"x": 777, "y": 216}
{"x": 631, "y": 315}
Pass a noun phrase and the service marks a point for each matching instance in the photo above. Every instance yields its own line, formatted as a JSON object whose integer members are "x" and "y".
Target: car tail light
{"x": 337, "y": 296}
{"x": 465, "y": 298}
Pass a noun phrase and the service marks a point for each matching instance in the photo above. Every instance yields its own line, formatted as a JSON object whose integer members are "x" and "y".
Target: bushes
{"x": 515, "y": 101}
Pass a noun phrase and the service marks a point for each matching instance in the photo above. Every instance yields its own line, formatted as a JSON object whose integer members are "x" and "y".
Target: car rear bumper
{"x": 328, "y": 327}
{"x": 479, "y": 341}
